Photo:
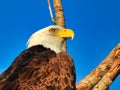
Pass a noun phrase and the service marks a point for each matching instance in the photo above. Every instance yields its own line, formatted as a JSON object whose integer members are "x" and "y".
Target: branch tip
{"x": 50, "y": 10}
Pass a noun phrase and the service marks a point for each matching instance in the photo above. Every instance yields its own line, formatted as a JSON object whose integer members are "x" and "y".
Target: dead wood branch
{"x": 102, "y": 72}
{"x": 50, "y": 10}
{"x": 110, "y": 76}
{"x": 58, "y": 12}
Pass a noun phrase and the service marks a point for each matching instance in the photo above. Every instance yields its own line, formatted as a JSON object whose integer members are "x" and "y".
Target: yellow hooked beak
{"x": 65, "y": 33}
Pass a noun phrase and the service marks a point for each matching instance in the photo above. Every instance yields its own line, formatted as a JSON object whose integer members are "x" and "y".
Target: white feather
{"x": 45, "y": 38}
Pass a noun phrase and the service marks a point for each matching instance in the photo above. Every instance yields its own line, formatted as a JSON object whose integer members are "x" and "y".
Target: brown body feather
{"x": 38, "y": 68}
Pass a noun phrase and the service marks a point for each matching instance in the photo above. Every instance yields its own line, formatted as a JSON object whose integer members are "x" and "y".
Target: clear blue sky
{"x": 96, "y": 24}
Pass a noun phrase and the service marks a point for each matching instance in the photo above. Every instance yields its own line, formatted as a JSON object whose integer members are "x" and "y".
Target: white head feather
{"x": 45, "y": 38}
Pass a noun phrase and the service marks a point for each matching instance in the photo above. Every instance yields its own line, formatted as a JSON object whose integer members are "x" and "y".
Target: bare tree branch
{"x": 102, "y": 71}
{"x": 59, "y": 13}
{"x": 109, "y": 77}
{"x": 50, "y": 10}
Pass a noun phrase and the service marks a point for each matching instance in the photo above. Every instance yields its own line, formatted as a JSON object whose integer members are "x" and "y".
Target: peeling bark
{"x": 106, "y": 71}
{"x": 110, "y": 76}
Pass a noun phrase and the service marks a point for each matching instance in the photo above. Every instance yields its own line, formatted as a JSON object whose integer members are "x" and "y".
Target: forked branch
{"x": 101, "y": 77}
{"x": 59, "y": 20}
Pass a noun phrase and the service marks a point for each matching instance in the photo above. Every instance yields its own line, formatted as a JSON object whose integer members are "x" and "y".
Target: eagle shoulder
{"x": 39, "y": 68}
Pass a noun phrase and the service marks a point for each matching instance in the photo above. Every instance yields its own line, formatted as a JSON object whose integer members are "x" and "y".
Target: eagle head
{"x": 52, "y": 37}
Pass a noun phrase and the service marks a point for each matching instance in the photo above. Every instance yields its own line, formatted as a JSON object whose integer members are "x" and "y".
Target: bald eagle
{"x": 44, "y": 65}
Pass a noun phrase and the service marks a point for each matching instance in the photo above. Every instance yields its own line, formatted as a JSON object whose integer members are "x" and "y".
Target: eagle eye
{"x": 52, "y": 30}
